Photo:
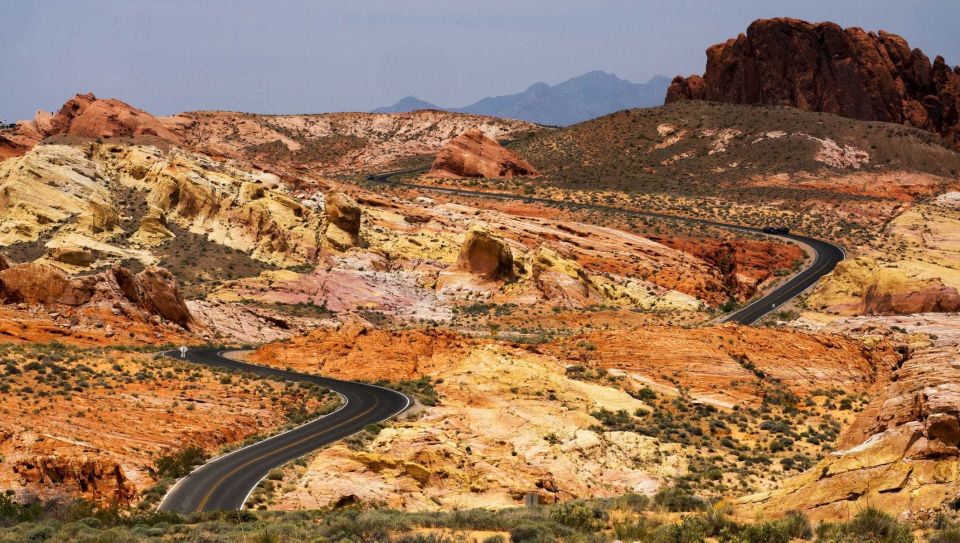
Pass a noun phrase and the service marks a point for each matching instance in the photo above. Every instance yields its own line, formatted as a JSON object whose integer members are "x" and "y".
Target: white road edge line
{"x": 212, "y": 460}
{"x": 243, "y": 504}
{"x": 346, "y": 401}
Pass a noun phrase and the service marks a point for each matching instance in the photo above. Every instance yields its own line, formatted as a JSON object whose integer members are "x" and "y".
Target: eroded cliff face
{"x": 823, "y": 67}
{"x": 87, "y": 204}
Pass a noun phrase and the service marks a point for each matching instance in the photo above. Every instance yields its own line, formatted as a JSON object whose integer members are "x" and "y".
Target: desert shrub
{"x": 38, "y": 534}
{"x": 638, "y": 530}
{"x": 423, "y": 538}
{"x": 530, "y": 532}
{"x": 645, "y": 394}
{"x": 767, "y": 532}
{"x": 947, "y": 535}
{"x": 676, "y": 499}
{"x": 869, "y": 526}
{"x": 691, "y": 530}
{"x": 579, "y": 515}
{"x": 180, "y": 463}
{"x": 797, "y": 525}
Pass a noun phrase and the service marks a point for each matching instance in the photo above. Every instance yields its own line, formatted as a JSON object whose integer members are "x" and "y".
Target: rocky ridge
{"x": 823, "y": 67}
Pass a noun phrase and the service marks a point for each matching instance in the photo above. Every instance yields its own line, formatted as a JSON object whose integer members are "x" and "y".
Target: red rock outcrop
{"x": 88, "y": 116}
{"x": 473, "y": 154}
{"x": 932, "y": 297}
{"x": 823, "y": 67}
{"x": 100, "y": 481}
{"x": 154, "y": 291}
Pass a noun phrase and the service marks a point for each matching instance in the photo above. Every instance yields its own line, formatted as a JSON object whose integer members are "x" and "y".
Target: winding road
{"x": 226, "y": 482}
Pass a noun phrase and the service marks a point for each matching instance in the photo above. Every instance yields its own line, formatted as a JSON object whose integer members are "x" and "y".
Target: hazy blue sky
{"x": 297, "y": 56}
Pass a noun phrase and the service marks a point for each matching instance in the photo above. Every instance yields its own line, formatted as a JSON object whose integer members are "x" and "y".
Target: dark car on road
{"x": 776, "y": 230}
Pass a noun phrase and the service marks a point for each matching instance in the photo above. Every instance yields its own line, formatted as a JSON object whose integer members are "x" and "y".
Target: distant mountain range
{"x": 582, "y": 98}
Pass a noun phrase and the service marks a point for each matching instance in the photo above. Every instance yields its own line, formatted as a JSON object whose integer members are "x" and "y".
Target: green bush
{"x": 691, "y": 530}
{"x": 180, "y": 463}
{"x": 532, "y": 533}
{"x": 677, "y": 500}
{"x": 947, "y": 535}
{"x": 797, "y": 525}
{"x": 767, "y": 532}
{"x": 869, "y": 526}
{"x": 579, "y": 515}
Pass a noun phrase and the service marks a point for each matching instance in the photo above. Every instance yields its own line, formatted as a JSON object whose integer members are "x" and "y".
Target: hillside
{"x": 690, "y": 145}
{"x": 331, "y": 142}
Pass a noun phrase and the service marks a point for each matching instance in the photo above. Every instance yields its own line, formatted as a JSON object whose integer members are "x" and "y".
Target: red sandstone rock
{"x": 153, "y": 291}
{"x": 472, "y": 154}
{"x": 98, "y": 480}
{"x": 823, "y": 67}
{"x": 88, "y": 116}
{"x": 932, "y": 297}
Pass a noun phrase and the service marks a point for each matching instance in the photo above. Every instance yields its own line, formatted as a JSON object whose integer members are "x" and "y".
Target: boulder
{"x": 686, "y": 88}
{"x": 485, "y": 255}
{"x": 36, "y": 283}
{"x": 343, "y": 221}
{"x": 823, "y": 67}
{"x": 473, "y": 154}
{"x": 156, "y": 291}
{"x": 153, "y": 229}
{"x": 73, "y": 255}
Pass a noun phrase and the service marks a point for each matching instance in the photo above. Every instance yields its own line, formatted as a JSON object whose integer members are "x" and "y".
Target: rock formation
{"x": 864, "y": 286}
{"x": 560, "y": 280}
{"x": 331, "y": 142}
{"x": 100, "y": 481}
{"x": 473, "y": 154}
{"x": 88, "y": 116}
{"x": 343, "y": 221}
{"x": 823, "y": 67}
{"x": 927, "y": 297}
{"x": 485, "y": 255}
{"x": 153, "y": 291}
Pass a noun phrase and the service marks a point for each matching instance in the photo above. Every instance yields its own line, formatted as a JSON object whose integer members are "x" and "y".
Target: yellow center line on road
{"x": 232, "y": 472}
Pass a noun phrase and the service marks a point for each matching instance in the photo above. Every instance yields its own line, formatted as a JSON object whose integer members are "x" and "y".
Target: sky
{"x": 290, "y": 56}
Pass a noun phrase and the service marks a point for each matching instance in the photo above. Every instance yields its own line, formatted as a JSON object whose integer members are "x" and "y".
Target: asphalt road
{"x": 226, "y": 482}
{"x": 826, "y": 255}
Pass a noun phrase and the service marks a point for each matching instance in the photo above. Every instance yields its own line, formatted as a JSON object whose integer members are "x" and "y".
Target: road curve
{"x": 826, "y": 254}
{"x": 226, "y": 482}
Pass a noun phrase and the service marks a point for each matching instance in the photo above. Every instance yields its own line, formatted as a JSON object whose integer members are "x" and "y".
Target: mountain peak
{"x": 586, "y": 96}
{"x": 406, "y": 104}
